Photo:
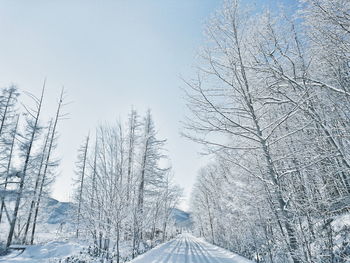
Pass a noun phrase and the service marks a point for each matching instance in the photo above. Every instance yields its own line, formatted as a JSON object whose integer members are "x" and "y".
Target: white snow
{"x": 189, "y": 249}
{"x": 43, "y": 253}
{"x": 184, "y": 249}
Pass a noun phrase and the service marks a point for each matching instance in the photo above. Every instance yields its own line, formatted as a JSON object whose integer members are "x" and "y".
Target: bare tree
{"x": 48, "y": 162}
{"x": 8, "y": 169}
{"x": 33, "y": 128}
{"x": 82, "y": 165}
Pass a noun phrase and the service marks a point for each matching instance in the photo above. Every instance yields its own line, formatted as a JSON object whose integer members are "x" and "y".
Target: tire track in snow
{"x": 173, "y": 257}
{"x": 199, "y": 251}
{"x": 194, "y": 254}
{"x": 189, "y": 249}
{"x": 206, "y": 254}
{"x": 186, "y": 250}
{"x": 168, "y": 255}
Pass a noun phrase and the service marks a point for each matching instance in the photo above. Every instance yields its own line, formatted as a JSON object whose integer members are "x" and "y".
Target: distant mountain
{"x": 56, "y": 220}
{"x": 58, "y": 212}
{"x": 182, "y": 218}
{"x": 61, "y": 213}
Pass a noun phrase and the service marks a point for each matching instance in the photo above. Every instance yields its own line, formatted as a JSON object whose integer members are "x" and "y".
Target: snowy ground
{"x": 188, "y": 249}
{"x": 184, "y": 249}
{"x": 50, "y": 252}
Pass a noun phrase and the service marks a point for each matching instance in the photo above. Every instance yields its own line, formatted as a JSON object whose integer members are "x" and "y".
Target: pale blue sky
{"x": 109, "y": 55}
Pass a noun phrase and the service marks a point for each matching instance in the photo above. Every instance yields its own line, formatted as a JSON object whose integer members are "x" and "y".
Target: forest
{"x": 270, "y": 106}
{"x": 124, "y": 191}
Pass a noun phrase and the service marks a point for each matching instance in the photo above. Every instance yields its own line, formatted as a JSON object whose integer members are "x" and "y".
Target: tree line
{"x": 124, "y": 193}
{"x": 27, "y": 162}
{"x": 124, "y": 190}
{"x": 271, "y": 104}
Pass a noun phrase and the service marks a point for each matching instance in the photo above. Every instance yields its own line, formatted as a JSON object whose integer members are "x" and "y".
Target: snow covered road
{"x": 189, "y": 249}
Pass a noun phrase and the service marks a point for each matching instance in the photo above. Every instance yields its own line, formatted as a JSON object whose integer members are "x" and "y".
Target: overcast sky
{"x": 110, "y": 55}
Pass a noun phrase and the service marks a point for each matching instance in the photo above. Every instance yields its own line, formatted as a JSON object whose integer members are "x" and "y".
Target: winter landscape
{"x": 202, "y": 131}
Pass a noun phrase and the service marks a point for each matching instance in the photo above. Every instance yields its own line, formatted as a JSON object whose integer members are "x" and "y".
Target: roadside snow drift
{"x": 44, "y": 253}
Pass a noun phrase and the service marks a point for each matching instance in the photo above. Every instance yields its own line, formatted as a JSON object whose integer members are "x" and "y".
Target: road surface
{"x": 188, "y": 249}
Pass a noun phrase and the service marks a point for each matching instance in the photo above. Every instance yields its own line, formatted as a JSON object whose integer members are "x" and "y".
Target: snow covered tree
{"x": 26, "y": 163}
{"x": 81, "y": 165}
{"x": 126, "y": 193}
{"x": 31, "y": 136}
{"x": 268, "y": 101}
{"x": 8, "y": 131}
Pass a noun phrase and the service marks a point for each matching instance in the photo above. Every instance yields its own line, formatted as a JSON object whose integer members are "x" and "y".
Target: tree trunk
{"x": 47, "y": 162}
{"x": 24, "y": 171}
{"x": 82, "y": 184}
{"x": 32, "y": 204}
{"x": 8, "y": 168}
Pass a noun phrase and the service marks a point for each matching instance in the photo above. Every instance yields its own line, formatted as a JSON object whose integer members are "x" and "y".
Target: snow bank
{"x": 49, "y": 252}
